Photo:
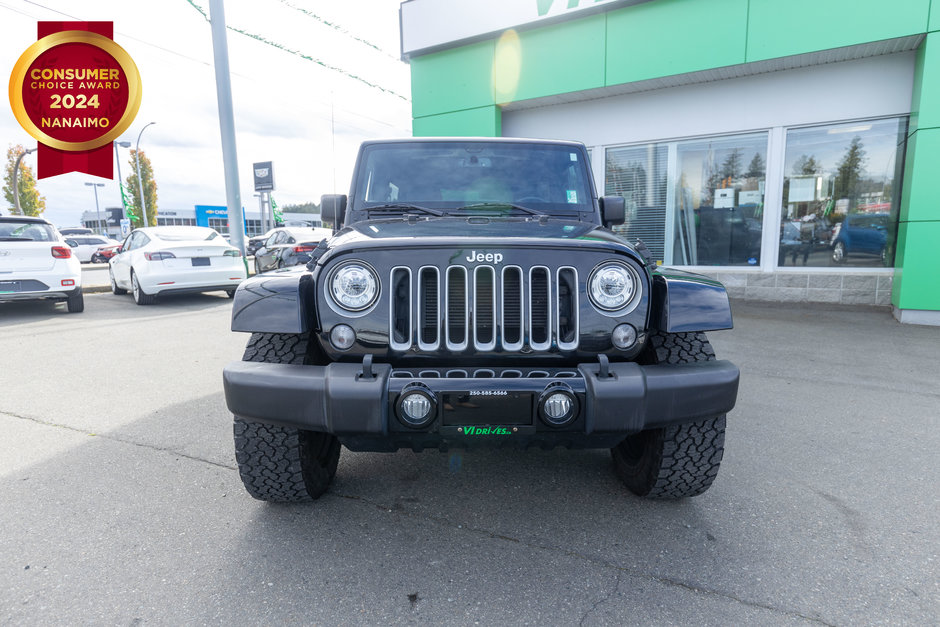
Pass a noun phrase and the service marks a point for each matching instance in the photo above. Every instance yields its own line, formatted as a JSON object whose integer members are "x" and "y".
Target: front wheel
{"x": 117, "y": 291}
{"x": 283, "y": 464}
{"x": 677, "y": 461}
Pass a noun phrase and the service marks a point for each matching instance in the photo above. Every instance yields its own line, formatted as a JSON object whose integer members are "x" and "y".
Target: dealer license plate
{"x": 8, "y": 287}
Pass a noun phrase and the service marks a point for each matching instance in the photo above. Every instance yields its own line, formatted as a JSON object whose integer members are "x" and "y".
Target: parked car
{"x": 860, "y": 233}
{"x": 256, "y": 242}
{"x": 173, "y": 260}
{"x": 104, "y": 253}
{"x": 36, "y": 263}
{"x": 85, "y": 246}
{"x": 288, "y": 246}
{"x": 75, "y": 230}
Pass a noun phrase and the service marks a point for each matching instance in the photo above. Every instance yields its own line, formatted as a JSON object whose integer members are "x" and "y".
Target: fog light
{"x": 415, "y": 408}
{"x": 624, "y": 336}
{"x": 342, "y": 337}
{"x": 558, "y": 405}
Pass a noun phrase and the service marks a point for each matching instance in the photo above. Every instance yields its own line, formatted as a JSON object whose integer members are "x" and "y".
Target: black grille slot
{"x": 456, "y": 305}
{"x": 401, "y": 306}
{"x": 429, "y": 305}
{"x": 512, "y": 306}
{"x": 485, "y": 310}
{"x": 567, "y": 306}
{"x": 540, "y": 303}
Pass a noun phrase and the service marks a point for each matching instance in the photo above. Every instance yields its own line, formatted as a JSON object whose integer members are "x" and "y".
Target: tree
{"x": 732, "y": 165}
{"x": 132, "y": 188}
{"x": 32, "y": 203}
{"x": 807, "y": 165}
{"x": 849, "y": 171}
{"x": 305, "y": 207}
{"x": 756, "y": 168}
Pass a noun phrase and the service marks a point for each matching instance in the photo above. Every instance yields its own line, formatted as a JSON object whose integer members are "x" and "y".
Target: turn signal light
{"x": 304, "y": 248}
{"x": 61, "y": 252}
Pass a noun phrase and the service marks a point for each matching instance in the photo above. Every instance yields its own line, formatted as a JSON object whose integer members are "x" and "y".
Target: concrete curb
{"x": 95, "y": 289}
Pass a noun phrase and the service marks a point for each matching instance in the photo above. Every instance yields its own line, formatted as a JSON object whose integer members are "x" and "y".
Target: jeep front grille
{"x": 483, "y": 307}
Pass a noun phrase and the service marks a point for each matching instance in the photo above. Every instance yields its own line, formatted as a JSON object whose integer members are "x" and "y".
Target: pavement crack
{"x": 603, "y": 599}
{"x": 115, "y": 438}
{"x": 621, "y": 570}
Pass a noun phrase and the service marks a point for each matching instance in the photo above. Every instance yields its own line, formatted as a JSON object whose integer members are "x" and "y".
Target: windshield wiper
{"x": 406, "y": 206}
{"x": 507, "y": 205}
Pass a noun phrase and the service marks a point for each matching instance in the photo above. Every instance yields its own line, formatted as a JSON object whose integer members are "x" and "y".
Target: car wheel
{"x": 257, "y": 266}
{"x": 230, "y": 293}
{"x": 76, "y": 302}
{"x": 117, "y": 291}
{"x": 140, "y": 297}
{"x": 679, "y": 460}
{"x": 838, "y": 252}
{"x": 95, "y": 258}
{"x": 283, "y": 464}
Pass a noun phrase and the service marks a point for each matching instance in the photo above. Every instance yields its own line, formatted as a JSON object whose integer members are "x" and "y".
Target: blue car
{"x": 861, "y": 233}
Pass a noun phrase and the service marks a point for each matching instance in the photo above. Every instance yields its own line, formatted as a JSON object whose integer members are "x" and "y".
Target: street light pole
{"x": 95, "y": 187}
{"x": 16, "y": 182}
{"x": 140, "y": 182}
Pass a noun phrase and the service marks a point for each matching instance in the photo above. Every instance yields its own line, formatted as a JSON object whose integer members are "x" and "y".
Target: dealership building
{"x": 212, "y": 216}
{"x": 789, "y": 149}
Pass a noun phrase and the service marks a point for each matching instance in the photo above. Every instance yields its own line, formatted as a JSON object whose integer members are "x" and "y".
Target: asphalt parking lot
{"x": 121, "y": 504}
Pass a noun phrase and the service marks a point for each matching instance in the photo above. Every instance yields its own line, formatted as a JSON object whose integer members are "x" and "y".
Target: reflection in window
{"x": 841, "y": 194}
{"x": 720, "y": 201}
{"x": 638, "y": 173}
{"x": 714, "y": 217}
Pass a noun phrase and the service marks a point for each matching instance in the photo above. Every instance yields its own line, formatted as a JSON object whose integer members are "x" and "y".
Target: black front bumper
{"x": 357, "y": 403}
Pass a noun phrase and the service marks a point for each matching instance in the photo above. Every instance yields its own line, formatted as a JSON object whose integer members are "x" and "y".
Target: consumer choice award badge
{"x": 75, "y": 91}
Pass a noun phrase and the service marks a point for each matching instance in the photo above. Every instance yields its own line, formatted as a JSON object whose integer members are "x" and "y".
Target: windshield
{"x": 14, "y": 231}
{"x": 448, "y": 176}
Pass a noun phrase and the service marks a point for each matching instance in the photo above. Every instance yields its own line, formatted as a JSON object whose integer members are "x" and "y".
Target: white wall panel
{"x": 863, "y": 88}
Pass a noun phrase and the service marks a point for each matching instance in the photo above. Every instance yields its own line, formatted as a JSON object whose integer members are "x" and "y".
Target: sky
{"x": 310, "y": 81}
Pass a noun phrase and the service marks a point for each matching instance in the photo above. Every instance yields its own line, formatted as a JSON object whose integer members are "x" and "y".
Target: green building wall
{"x": 453, "y": 91}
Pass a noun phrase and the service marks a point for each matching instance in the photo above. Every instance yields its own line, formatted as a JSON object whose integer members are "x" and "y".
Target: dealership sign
{"x": 430, "y": 25}
{"x": 264, "y": 176}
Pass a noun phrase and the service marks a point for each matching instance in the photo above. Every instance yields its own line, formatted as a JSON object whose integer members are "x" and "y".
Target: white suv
{"x": 35, "y": 263}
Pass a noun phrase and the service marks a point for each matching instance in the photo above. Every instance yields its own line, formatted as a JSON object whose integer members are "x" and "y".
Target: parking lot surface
{"x": 121, "y": 503}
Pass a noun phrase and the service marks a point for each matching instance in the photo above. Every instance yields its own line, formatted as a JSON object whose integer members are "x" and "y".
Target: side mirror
{"x": 333, "y": 209}
{"x": 613, "y": 210}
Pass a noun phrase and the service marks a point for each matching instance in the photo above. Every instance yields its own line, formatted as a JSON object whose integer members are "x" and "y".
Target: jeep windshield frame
{"x": 473, "y": 177}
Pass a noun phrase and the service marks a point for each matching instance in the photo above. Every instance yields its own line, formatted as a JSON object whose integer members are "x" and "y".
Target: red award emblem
{"x": 75, "y": 91}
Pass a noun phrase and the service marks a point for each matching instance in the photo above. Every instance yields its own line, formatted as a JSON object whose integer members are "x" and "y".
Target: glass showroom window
{"x": 713, "y": 215}
{"x": 841, "y": 193}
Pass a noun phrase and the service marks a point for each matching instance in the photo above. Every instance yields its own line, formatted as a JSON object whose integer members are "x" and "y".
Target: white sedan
{"x": 174, "y": 260}
{"x": 35, "y": 262}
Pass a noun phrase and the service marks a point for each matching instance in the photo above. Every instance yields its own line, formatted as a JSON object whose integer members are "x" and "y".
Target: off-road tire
{"x": 283, "y": 464}
{"x": 117, "y": 291}
{"x": 76, "y": 302}
{"x": 677, "y": 461}
{"x": 140, "y": 296}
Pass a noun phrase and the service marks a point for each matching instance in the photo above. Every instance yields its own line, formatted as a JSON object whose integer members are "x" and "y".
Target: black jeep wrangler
{"x": 475, "y": 296}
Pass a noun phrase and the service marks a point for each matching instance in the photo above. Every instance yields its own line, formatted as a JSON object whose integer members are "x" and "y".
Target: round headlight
{"x": 354, "y": 286}
{"x": 612, "y": 286}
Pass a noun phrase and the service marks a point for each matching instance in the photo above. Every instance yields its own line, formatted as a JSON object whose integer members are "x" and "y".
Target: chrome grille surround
{"x": 488, "y": 308}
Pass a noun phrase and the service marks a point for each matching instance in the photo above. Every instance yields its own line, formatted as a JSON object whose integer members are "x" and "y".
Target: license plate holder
{"x": 486, "y": 407}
